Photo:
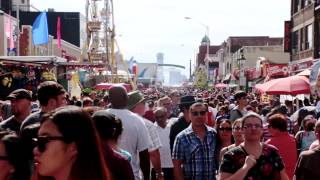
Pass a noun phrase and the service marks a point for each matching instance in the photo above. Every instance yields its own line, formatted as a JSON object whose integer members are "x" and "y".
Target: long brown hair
{"x": 76, "y": 126}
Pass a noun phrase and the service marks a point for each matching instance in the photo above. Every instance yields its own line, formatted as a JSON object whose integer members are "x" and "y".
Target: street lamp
{"x": 243, "y": 79}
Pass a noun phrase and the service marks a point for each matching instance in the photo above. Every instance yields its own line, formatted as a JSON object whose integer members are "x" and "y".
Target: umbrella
{"x": 107, "y": 86}
{"x": 292, "y": 85}
{"x": 221, "y": 85}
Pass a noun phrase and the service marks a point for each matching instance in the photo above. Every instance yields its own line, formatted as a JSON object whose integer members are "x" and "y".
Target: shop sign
{"x": 287, "y": 36}
{"x": 277, "y": 70}
{"x": 301, "y": 66}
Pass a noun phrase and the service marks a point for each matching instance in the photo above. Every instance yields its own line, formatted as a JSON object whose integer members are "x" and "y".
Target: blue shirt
{"x": 197, "y": 156}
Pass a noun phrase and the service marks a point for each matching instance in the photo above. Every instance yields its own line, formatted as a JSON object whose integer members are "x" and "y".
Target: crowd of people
{"x": 158, "y": 134}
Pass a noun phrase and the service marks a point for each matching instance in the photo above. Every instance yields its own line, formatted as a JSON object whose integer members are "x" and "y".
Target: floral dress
{"x": 268, "y": 165}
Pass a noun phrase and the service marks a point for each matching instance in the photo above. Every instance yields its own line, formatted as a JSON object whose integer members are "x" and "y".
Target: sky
{"x": 146, "y": 27}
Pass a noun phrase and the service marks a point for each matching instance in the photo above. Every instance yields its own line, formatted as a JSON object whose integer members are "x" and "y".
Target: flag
{"x": 40, "y": 33}
{"x": 59, "y": 32}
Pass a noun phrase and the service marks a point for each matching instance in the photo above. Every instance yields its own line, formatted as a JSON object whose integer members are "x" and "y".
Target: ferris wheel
{"x": 100, "y": 32}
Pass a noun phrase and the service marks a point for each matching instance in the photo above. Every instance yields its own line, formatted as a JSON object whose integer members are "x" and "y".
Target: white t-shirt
{"x": 165, "y": 153}
{"x": 134, "y": 138}
{"x": 154, "y": 137}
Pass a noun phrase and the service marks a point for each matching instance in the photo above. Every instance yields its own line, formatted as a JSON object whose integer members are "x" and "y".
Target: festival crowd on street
{"x": 167, "y": 133}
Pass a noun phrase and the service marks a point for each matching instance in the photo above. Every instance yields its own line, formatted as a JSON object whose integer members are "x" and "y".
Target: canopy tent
{"x": 221, "y": 85}
{"x": 292, "y": 85}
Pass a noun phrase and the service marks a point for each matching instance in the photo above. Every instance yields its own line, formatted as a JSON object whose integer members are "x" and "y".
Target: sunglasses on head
{"x": 198, "y": 113}
{"x": 225, "y": 129}
{"x": 42, "y": 141}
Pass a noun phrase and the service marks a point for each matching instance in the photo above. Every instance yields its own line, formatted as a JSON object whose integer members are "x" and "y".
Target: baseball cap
{"x": 20, "y": 94}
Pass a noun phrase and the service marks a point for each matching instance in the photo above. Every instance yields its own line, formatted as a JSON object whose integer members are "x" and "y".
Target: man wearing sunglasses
{"x": 194, "y": 148}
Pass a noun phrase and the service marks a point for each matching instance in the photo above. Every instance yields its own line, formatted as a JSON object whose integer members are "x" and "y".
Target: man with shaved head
{"x": 135, "y": 138}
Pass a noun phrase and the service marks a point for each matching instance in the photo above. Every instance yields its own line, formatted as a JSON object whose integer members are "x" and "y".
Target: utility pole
{"x": 190, "y": 79}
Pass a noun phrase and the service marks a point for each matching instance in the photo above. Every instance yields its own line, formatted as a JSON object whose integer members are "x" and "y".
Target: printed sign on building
{"x": 277, "y": 70}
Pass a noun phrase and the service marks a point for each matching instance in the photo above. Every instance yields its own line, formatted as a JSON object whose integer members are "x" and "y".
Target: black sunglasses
{"x": 198, "y": 113}
{"x": 225, "y": 129}
{"x": 4, "y": 158}
{"x": 42, "y": 141}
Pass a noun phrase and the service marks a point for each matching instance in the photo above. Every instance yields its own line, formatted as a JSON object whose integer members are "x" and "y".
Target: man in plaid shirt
{"x": 194, "y": 148}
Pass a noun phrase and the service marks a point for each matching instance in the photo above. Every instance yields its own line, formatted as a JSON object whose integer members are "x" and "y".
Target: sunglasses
{"x": 4, "y": 158}
{"x": 42, "y": 141}
{"x": 225, "y": 129}
{"x": 198, "y": 113}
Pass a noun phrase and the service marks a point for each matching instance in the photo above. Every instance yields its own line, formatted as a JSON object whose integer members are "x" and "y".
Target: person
{"x": 136, "y": 104}
{"x": 193, "y": 153}
{"x": 305, "y": 137}
{"x": 239, "y": 111}
{"x": 135, "y": 138}
{"x": 51, "y": 95}
{"x": 87, "y": 102}
{"x": 109, "y": 129}
{"x": 252, "y": 159}
{"x": 224, "y": 138}
{"x": 163, "y": 130}
{"x": 281, "y": 139}
{"x": 307, "y": 166}
{"x": 20, "y": 107}
{"x": 166, "y": 102}
{"x": 68, "y": 147}
{"x": 13, "y": 164}
{"x": 183, "y": 121}
{"x": 175, "y": 99}
{"x": 237, "y": 134}
{"x": 104, "y": 101}
{"x": 149, "y": 112}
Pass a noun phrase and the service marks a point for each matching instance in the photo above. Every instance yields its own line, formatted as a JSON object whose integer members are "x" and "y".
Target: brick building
{"x": 305, "y": 31}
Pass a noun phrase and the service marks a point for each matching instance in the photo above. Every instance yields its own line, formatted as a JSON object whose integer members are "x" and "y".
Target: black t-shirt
{"x": 176, "y": 128}
{"x": 32, "y": 119}
{"x": 308, "y": 165}
{"x": 11, "y": 124}
{"x": 268, "y": 165}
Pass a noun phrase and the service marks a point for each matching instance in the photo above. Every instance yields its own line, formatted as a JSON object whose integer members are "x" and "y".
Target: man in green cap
{"x": 136, "y": 104}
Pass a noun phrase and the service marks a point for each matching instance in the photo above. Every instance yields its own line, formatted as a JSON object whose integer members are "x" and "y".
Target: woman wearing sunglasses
{"x": 224, "y": 131}
{"x": 13, "y": 166}
{"x": 237, "y": 134}
{"x": 68, "y": 148}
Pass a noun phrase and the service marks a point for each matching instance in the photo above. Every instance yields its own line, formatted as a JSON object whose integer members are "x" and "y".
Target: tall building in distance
{"x": 160, "y": 57}
{"x": 160, "y": 73}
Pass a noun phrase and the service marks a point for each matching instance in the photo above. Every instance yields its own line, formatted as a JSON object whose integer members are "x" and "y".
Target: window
{"x": 308, "y": 37}
{"x": 295, "y": 41}
{"x": 301, "y": 44}
{"x": 294, "y": 6}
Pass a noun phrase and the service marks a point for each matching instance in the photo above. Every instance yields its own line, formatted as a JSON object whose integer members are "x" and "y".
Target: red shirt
{"x": 286, "y": 145}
